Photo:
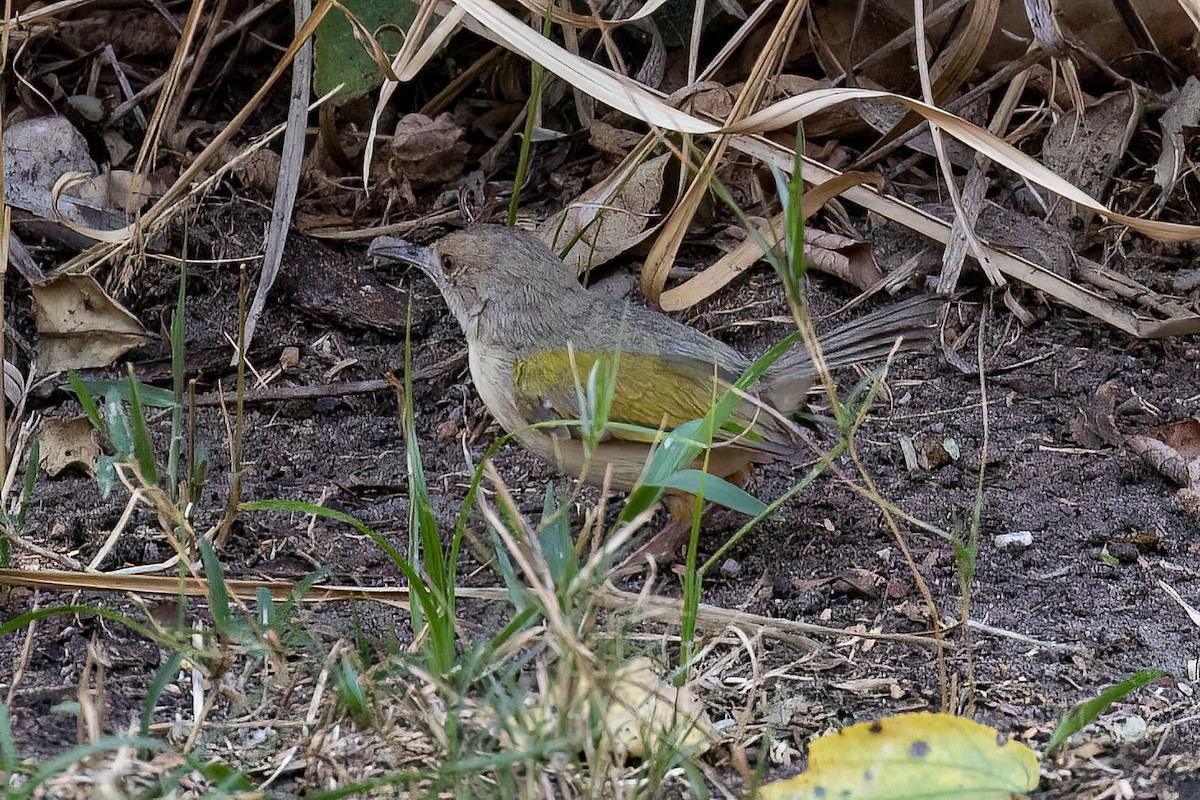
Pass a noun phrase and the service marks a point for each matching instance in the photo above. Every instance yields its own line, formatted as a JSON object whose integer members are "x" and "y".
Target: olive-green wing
{"x": 652, "y": 392}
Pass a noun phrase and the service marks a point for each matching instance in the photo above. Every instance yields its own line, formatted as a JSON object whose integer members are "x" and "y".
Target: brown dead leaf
{"x": 842, "y": 257}
{"x": 601, "y": 230}
{"x": 422, "y": 153}
{"x": 1094, "y": 424}
{"x": 611, "y": 139}
{"x": 80, "y": 326}
{"x": 1172, "y": 450}
{"x": 67, "y": 444}
{"x": 1184, "y": 113}
{"x": 1086, "y": 149}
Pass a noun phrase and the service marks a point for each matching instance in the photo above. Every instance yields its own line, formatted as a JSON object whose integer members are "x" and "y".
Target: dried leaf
{"x": 646, "y": 713}
{"x": 1183, "y": 113}
{"x": 1172, "y": 450}
{"x": 80, "y": 326}
{"x": 610, "y": 218}
{"x": 67, "y": 444}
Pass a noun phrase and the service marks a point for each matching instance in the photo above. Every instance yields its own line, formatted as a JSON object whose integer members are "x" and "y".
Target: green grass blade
{"x": 716, "y": 490}
{"x": 88, "y": 401}
{"x": 162, "y": 676}
{"x": 143, "y": 447}
{"x": 1086, "y": 712}
{"x": 8, "y": 745}
{"x": 218, "y": 592}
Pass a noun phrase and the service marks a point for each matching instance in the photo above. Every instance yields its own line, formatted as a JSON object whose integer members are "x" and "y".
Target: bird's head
{"x": 488, "y": 273}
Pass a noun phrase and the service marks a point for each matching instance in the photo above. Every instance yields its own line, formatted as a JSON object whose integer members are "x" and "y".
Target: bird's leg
{"x": 666, "y": 544}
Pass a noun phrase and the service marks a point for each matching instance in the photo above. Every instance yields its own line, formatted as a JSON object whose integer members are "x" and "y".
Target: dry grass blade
{"x": 1010, "y": 263}
{"x": 662, "y": 254}
{"x": 790, "y": 111}
{"x": 173, "y": 586}
{"x": 289, "y": 175}
{"x": 956, "y": 63}
{"x": 183, "y": 183}
{"x": 628, "y": 96}
{"x": 591, "y": 21}
{"x": 1192, "y": 7}
{"x": 406, "y": 64}
{"x": 964, "y": 221}
{"x": 715, "y": 619}
{"x": 732, "y": 264}
{"x": 38, "y": 14}
{"x": 617, "y": 91}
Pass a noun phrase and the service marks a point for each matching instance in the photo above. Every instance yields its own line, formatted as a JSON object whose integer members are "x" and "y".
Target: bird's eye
{"x": 448, "y": 265}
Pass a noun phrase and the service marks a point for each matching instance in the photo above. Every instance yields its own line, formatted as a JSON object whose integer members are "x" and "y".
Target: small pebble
{"x": 731, "y": 567}
{"x": 289, "y": 360}
{"x": 1017, "y": 540}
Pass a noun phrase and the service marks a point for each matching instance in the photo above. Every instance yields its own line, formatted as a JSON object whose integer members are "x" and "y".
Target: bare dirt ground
{"x": 1062, "y": 620}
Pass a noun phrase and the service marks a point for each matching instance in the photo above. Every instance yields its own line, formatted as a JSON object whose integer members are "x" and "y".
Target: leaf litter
{"x": 1036, "y": 476}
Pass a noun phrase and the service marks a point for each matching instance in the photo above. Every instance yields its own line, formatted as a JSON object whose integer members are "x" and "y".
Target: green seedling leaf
{"x": 716, "y": 490}
{"x": 218, "y": 592}
{"x": 342, "y": 59}
{"x": 350, "y": 691}
{"x": 558, "y": 548}
{"x": 143, "y": 447}
{"x": 912, "y": 757}
{"x": 106, "y": 475}
{"x": 508, "y": 573}
{"x": 158, "y": 685}
{"x": 151, "y": 396}
{"x": 8, "y": 745}
{"x": 119, "y": 434}
{"x": 264, "y": 604}
{"x": 1086, "y": 712}
{"x": 87, "y": 399}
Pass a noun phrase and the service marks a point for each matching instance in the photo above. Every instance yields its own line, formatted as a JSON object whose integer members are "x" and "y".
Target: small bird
{"x": 533, "y": 333}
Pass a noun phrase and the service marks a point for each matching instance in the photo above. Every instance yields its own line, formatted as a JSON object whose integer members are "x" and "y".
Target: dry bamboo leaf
{"x": 1010, "y": 262}
{"x": 792, "y": 110}
{"x": 748, "y": 252}
{"x": 80, "y": 326}
{"x": 640, "y": 102}
{"x": 590, "y": 21}
{"x": 617, "y": 91}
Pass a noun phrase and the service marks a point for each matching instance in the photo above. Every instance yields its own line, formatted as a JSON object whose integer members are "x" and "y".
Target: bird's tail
{"x": 873, "y": 336}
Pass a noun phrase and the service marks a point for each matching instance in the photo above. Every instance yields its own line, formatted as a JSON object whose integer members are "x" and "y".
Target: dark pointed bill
{"x": 392, "y": 249}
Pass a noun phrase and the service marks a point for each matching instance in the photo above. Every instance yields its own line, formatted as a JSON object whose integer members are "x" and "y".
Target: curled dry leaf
{"x": 422, "y": 153}
{"x": 67, "y": 444}
{"x": 1173, "y": 451}
{"x": 597, "y": 230}
{"x": 1094, "y": 424}
{"x": 37, "y": 152}
{"x": 843, "y": 257}
{"x": 14, "y": 383}
{"x": 80, "y": 326}
{"x": 645, "y": 711}
{"x": 1183, "y": 114}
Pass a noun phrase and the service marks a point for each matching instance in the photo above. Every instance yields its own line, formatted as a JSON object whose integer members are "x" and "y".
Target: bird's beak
{"x": 423, "y": 258}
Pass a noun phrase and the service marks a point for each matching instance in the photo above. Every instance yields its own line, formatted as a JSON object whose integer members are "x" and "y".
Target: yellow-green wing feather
{"x": 650, "y": 391}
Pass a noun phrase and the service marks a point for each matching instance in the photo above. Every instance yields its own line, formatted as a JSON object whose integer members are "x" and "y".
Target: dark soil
{"x": 1079, "y": 609}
